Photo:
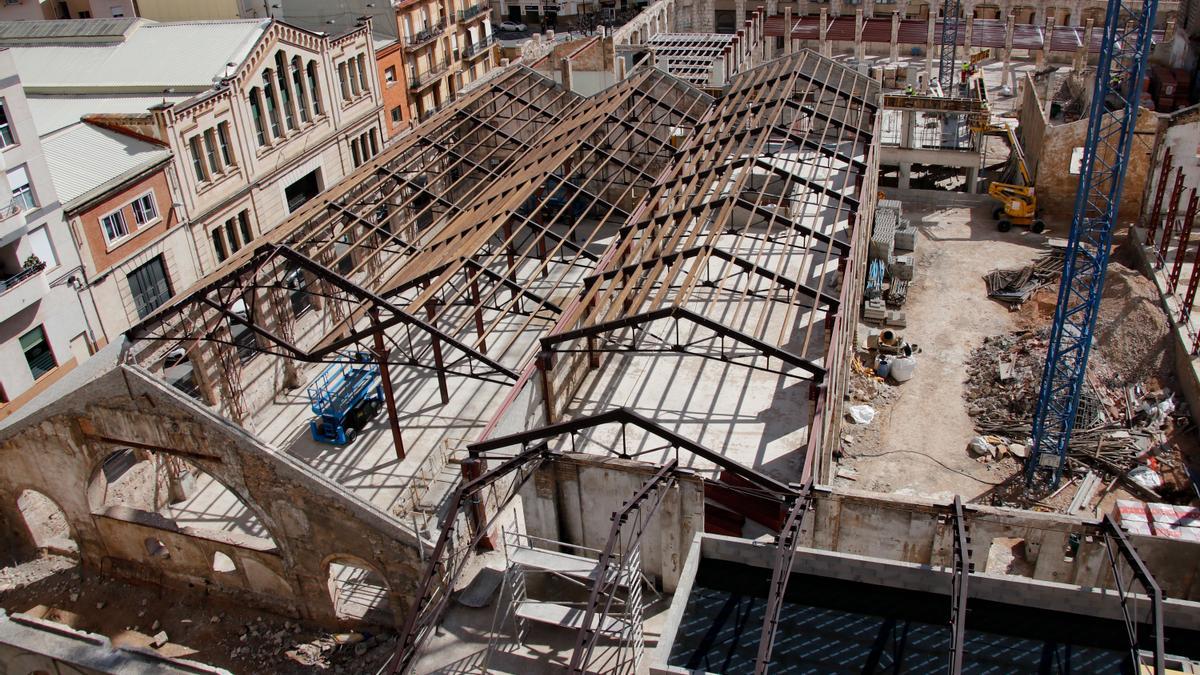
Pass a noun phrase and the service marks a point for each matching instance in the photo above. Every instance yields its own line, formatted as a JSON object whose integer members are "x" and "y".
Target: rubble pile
{"x": 1119, "y": 430}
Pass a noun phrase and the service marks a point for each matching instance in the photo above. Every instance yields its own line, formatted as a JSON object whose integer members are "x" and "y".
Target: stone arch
{"x": 173, "y": 488}
{"x": 46, "y": 524}
{"x": 358, "y": 591}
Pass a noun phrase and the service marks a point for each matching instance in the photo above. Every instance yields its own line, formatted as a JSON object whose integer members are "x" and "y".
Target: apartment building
{"x": 448, "y": 45}
{"x": 427, "y": 50}
{"x": 43, "y": 333}
{"x": 168, "y": 167}
{"x": 36, "y": 10}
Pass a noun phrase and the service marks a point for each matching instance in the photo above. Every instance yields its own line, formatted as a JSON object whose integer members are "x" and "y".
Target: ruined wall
{"x": 574, "y": 498}
{"x": 56, "y": 448}
{"x": 1056, "y": 184}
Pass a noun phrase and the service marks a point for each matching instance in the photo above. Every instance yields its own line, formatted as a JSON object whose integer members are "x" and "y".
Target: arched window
{"x": 301, "y": 94}
{"x": 285, "y": 90}
{"x": 272, "y": 104}
{"x": 314, "y": 88}
{"x": 256, "y": 111}
{"x": 362, "y": 73}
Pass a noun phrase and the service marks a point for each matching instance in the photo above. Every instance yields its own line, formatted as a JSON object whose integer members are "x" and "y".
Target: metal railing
{"x": 477, "y": 48}
{"x": 9, "y": 210}
{"x": 425, "y": 36}
{"x": 21, "y": 277}
{"x": 416, "y": 81}
{"x": 470, "y": 12}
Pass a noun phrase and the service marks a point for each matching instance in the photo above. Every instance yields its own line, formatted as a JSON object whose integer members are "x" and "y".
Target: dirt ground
{"x": 199, "y": 628}
{"x": 917, "y": 443}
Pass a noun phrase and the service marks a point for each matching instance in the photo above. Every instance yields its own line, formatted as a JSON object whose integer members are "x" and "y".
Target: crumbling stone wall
{"x": 56, "y": 448}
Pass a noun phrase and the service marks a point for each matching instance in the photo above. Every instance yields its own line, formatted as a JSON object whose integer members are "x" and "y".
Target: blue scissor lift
{"x": 344, "y": 397}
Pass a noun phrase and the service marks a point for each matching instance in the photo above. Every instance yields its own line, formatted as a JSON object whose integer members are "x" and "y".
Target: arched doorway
{"x": 46, "y": 523}
{"x": 358, "y": 592}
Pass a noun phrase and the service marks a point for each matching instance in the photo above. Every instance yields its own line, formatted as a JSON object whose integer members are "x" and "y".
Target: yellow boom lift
{"x": 1018, "y": 203}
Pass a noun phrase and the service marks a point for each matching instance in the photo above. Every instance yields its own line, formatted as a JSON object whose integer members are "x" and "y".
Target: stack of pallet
{"x": 1168, "y": 521}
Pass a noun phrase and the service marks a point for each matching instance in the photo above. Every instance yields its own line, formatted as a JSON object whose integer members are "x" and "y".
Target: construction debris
{"x": 1113, "y": 435}
{"x": 1015, "y": 286}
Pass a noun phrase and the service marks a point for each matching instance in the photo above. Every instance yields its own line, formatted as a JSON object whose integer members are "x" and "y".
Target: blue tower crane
{"x": 1114, "y": 108}
{"x": 949, "y": 42}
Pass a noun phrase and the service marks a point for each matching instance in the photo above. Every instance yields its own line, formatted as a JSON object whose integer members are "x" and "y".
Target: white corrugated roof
{"x": 190, "y": 54}
{"x": 84, "y": 157}
{"x": 51, "y": 113}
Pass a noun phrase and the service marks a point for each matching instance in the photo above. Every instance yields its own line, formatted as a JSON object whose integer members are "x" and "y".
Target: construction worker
{"x": 910, "y": 91}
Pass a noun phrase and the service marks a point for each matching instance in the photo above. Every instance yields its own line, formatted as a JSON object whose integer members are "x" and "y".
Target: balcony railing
{"x": 426, "y": 36}
{"x": 470, "y": 12}
{"x": 21, "y": 277}
{"x": 417, "y": 81}
{"x": 9, "y": 210}
{"x": 478, "y": 48}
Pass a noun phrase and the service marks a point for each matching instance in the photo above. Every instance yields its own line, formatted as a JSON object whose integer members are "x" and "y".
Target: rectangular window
{"x": 244, "y": 226}
{"x": 231, "y": 235}
{"x": 39, "y": 242}
{"x": 197, "y": 159}
{"x": 301, "y": 97}
{"x": 22, "y": 191}
{"x": 149, "y": 286}
{"x": 6, "y": 134}
{"x": 362, "y": 73}
{"x": 114, "y": 226}
{"x": 223, "y": 139}
{"x": 389, "y": 75}
{"x": 38, "y": 354}
{"x": 355, "y": 153}
{"x": 218, "y": 240}
{"x": 210, "y": 151}
{"x": 144, "y": 209}
{"x": 272, "y": 109}
{"x": 257, "y": 114}
{"x": 313, "y": 89}
{"x": 374, "y": 143}
{"x": 344, "y": 81}
{"x": 397, "y": 115}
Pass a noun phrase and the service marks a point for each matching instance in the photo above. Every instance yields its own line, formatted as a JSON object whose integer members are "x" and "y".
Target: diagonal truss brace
{"x": 785, "y": 555}
{"x": 816, "y": 372}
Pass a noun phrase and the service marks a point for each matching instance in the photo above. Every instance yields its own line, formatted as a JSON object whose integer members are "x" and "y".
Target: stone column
{"x": 789, "y": 46}
{"x": 739, "y": 18}
{"x": 894, "y": 52}
{"x": 1045, "y": 56}
{"x": 835, "y": 8}
{"x": 1081, "y": 54}
{"x": 929, "y": 75}
{"x": 1006, "y": 79}
{"x": 860, "y": 49}
{"x": 825, "y": 47}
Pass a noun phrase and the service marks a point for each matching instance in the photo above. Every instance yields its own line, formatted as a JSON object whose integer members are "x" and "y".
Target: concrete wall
{"x": 103, "y": 406}
{"x": 923, "y": 578}
{"x": 573, "y": 500}
{"x": 915, "y": 531}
